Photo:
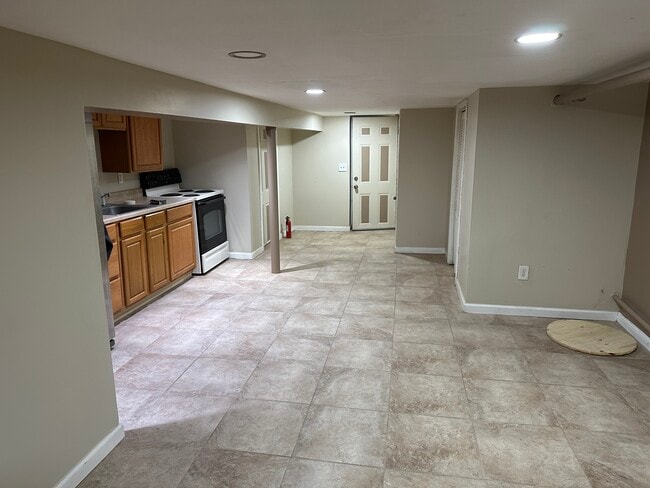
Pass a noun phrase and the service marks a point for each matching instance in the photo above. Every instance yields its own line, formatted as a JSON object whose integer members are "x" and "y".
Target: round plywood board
{"x": 591, "y": 338}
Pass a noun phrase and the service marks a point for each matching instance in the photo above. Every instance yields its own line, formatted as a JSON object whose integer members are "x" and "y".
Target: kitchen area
{"x": 177, "y": 199}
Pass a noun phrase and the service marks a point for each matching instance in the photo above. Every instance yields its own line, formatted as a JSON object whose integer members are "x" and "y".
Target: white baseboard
{"x": 559, "y": 313}
{"x": 323, "y": 228}
{"x": 421, "y": 250}
{"x": 247, "y": 255}
{"x": 92, "y": 459}
{"x": 634, "y": 331}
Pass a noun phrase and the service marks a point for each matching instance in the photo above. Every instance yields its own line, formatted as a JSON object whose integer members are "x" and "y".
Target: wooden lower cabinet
{"x": 157, "y": 258}
{"x": 115, "y": 270}
{"x": 149, "y": 253}
{"x": 134, "y": 266}
{"x": 181, "y": 247}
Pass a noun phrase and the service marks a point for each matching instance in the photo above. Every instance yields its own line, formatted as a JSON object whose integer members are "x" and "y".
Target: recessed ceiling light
{"x": 314, "y": 91}
{"x": 349, "y": 113}
{"x": 247, "y": 54}
{"x": 538, "y": 37}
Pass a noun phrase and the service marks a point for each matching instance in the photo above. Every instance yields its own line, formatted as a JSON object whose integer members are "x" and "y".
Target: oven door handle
{"x": 220, "y": 197}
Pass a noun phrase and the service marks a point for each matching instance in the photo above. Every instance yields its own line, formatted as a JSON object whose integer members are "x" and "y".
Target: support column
{"x": 274, "y": 217}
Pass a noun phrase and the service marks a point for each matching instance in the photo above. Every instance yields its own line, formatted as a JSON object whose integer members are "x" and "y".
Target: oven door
{"x": 211, "y": 222}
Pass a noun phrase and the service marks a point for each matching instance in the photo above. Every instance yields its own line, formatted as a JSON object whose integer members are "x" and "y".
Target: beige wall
{"x": 636, "y": 288}
{"x": 213, "y": 155}
{"x": 426, "y": 145}
{"x": 320, "y": 193}
{"x": 56, "y": 381}
{"x": 552, "y": 189}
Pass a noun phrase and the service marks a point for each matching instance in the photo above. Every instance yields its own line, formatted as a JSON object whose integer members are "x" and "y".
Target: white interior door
{"x": 264, "y": 183}
{"x": 457, "y": 184}
{"x": 374, "y": 172}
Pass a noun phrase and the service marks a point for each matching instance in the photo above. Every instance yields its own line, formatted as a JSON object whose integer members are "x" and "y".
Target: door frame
{"x": 350, "y": 155}
{"x": 457, "y": 180}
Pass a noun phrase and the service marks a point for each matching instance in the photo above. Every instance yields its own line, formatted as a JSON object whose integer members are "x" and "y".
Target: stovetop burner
{"x": 203, "y": 191}
{"x": 186, "y": 191}
{"x": 191, "y": 195}
{"x": 171, "y": 195}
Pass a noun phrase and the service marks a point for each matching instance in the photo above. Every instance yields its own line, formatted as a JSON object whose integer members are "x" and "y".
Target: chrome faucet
{"x": 103, "y": 198}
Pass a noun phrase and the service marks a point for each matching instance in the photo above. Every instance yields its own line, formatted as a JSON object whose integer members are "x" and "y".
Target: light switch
{"x": 343, "y": 167}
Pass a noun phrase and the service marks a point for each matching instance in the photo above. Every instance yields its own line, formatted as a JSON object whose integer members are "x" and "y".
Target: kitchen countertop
{"x": 109, "y": 219}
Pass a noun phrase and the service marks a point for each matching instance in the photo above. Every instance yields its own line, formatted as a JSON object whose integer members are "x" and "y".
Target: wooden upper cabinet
{"x": 136, "y": 149}
{"x": 109, "y": 121}
{"x": 146, "y": 150}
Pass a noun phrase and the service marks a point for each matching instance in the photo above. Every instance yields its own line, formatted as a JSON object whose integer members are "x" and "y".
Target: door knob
{"x": 356, "y": 188}
{"x": 356, "y": 178}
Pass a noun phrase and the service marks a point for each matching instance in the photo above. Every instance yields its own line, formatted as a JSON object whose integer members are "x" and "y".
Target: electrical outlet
{"x": 120, "y": 178}
{"x": 343, "y": 167}
{"x": 522, "y": 275}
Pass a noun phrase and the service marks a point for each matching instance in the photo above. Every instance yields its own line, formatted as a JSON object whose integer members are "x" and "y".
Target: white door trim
{"x": 455, "y": 203}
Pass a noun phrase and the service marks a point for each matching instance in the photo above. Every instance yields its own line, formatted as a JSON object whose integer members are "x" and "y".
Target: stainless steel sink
{"x": 120, "y": 209}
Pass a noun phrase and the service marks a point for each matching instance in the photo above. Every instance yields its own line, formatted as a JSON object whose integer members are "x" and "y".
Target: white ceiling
{"x": 371, "y": 56}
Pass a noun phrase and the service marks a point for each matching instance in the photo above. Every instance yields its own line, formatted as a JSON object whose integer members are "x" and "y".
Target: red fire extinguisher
{"x": 288, "y": 224}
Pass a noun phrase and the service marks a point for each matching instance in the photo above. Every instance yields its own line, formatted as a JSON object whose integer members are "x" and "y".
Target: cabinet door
{"x": 117, "y": 295}
{"x": 114, "y": 271}
{"x": 181, "y": 247}
{"x": 134, "y": 266}
{"x": 146, "y": 150}
{"x": 114, "y": 121}
{"x": 157, "y": 258}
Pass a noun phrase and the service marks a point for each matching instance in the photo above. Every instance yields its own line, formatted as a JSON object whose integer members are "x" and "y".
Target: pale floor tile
{"x": 343, "y": 435}
{"x": 260, "y": 426}
{"x": 303, "y": 473}
{"x": 528, "y": 454}
{"x": 240, "y": 345}
{"x": 593, "y": 409}
{"x": 288, "y": 381}
{"x": 353, "y": 388}
{"x": 152, "y": 371}
{"x": 494, "y": 364}
{"x": 182, "y": 342}
{"x": 612, "y": 460}
{"x": 212, "y": 376}
{"x": 223, "y": 468}
{"x": 425, "y": 359}
{"x": 435, "y": 445}
{"x": 311, "y": 324}
{"x": 508, "y": 402}
{"x": 363, "y": 327}
{"x": 360, "y": 354}
{"x": 312, "y": 349}
{"x": 442, "y": 396}
{"x": 423, "y": 332}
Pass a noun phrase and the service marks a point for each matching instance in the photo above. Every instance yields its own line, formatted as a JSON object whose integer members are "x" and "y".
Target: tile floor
{"x": 357, "y": 368}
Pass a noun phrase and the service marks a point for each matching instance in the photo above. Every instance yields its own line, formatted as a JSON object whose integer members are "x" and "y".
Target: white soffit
{"x": 371, "y": 56}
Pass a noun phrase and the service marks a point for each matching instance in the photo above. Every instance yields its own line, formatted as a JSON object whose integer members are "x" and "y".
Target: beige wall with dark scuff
{"x": 56, "y": 381}
{"x": 552, "y": 189}
{"x": 321, "y": 194}
{"x": 636, "y": 288}
{"x": 426, "y": 146}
